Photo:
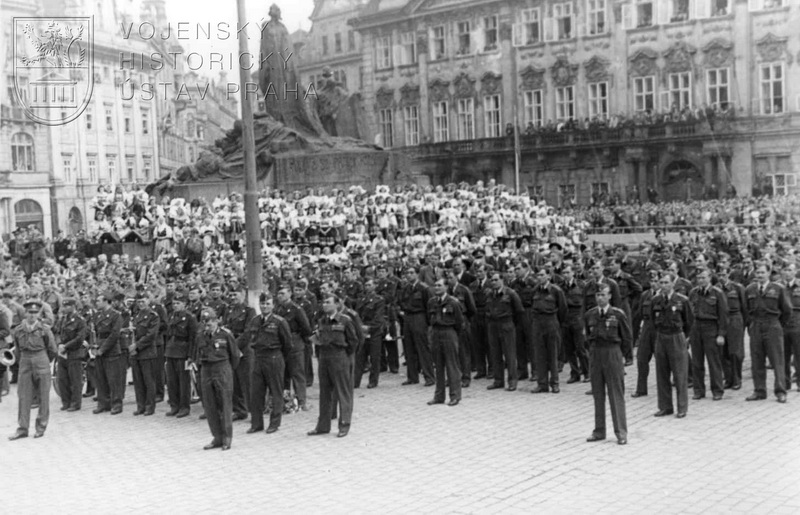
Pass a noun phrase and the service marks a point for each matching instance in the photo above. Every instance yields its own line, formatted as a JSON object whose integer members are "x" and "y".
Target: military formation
{"x": 502, "y": 317}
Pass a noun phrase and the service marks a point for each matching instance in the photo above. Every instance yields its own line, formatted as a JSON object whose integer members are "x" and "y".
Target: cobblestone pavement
{"x": 508, "y": 452}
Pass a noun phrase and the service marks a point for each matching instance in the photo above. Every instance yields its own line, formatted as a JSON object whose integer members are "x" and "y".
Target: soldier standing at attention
{"x": 371, "y": 307}
{"x": 181, "y": 334}
{"x": 108, "y": 360}
{"x": 144, "y": 354}
{"x": 673, "y": 320}
{"x": 219, "y": 355}
{"x": 413, "y": 301}
{"x": 72, "y": 333}
{"x": 708, "y": 335}
{"x": 447, "y": 320}
{"x": 609, "y": 334}
{"x": 337, "y": 341}
{"x": 237, "y": 316}
{"x": 36, "y": 348}
{"x": 503, "y": 310}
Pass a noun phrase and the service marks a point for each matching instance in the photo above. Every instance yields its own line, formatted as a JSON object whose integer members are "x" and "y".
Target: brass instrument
{"x": 9, "y": 356}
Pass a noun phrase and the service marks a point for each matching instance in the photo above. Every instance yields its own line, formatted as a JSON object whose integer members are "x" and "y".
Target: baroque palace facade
{"x": 449, "y": 79}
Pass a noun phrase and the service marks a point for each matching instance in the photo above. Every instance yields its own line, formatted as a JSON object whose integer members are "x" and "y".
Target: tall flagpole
{"x": 251, "y": 222}
{"x": 517, "y": 152}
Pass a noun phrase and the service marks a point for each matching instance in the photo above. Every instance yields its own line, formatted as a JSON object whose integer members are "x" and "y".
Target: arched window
{"x": 75, "y": 220}
{"x": 28, "y": 212}
{"x": 22, "y": 152}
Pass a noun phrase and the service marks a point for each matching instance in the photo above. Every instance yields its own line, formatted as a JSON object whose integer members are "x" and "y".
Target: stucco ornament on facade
{"x": 564, "y": 74}
{"x": 643, "y": 63}
{"x": 439, "y": 90}
{"x": 532, "y": 78}
{"x": 773, "y": 48}
{"x": 679, "y": 57}
{"x": 409, "y": 95}
{"x": 384, "y": 98}
{"x": 718, "y": 53}
{"x": 491, "y": 83}
{"x": 596, "y": 69}
{"x": 464, "y": 86}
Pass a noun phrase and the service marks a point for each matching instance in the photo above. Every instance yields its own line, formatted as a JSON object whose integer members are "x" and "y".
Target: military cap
{"x": 555, "y": 246}
{"x": 69, "y": 301}
{"x": 118, "y": 296}
{"x": 208, "y": 314}
{"x": 140, "y": 296}
{"x": 33, "y": 305}
{"x": 179, "y": 297}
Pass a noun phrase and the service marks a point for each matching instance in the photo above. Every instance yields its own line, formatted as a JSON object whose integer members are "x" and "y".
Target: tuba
{"x": 9, "y": 356}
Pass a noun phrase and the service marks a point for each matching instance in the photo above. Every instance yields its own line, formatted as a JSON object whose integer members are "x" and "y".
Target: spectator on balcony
{"x": 530, "y": 130}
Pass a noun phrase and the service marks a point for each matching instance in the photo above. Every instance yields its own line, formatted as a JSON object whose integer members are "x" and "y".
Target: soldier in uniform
{"x": 503, "y": 310}
{"x": 524, "y": 284}
{"x": 386, "y": 286}
{"x": 236, "y": 319}
{"x": 481, "y": 357}
{"x": 36, "y": 348}
{"x": 413, "y": 301}
{"x": 215, "y": 300}
{"x": 371, "y": 308}
{"x": 463, "y": 295}
{"x": 733, "y": 352}
{"x": 87, "y": 313}
{"x": 791, "y": 331}
{"x": 72, "y": 332}
{"x": 769, "y": 307}
{"x": 108, "y": 361}
{"x": 629, "y": 291}
{"x": 673, "y": 320}
{"x": 549, "y": 311}
{"x": 301, "y": 330}
{"x": 159, "y": 369}
{"x": 646, "y": 336}
{"x": 181, "y": 334}
{"x": 219, "y": 356}
{"x": 608, "y": 333}
{"x": 124, "y": 306}
{"x": 144, "y": 353}
{"x": 710, "y": 308}
{"x": 447, "y": 321}
{"x": 338, "y": 341}
{"x": 572, "y": 329}
{"x": 308, "y": 302}
{"x": 269, "y": 338}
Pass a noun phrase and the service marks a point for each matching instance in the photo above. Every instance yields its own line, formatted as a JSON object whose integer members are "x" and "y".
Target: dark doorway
{"x": 681, "y": 181}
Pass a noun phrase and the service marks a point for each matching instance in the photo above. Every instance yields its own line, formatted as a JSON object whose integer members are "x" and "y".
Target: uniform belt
{"x": 606, "y": 344}
{"x": 31, "y": 352}
{"x": 669, "y": 332}
{"x": 262, "y": 351}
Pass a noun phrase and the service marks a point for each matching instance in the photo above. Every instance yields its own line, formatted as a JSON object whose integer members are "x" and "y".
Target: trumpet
{"x": 9, "y": 356}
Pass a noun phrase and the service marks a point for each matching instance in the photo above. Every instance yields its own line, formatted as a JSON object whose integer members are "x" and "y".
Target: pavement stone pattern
{"x": 496, "y": 452}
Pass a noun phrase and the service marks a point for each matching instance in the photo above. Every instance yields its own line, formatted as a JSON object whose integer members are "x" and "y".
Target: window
{"x": 112, "y": 166}
{"x": 465, "y": 113}
{"x": 772, "y": 93}
{"x": 411, "y": 125}
{"x": 383, "y": 52}
{"x": 89, "y": 118}
{"x": 596, "y": 16}
{"x": 528, "y": 31}
{"x": 562, "y": 13}
{"x": 201, "y": 131}
{"x": 782, "y": 182}
{"x": 534, "y": 112}
{"x": 386, "y": 127}
{"x": 92, "y": 162}
{"x": 439, "y": 43}
{"x": 680, "y": 10}
{"x": 147, "y": 167}
{"x": 337, "y": 42}
{"x": 325, "y": 45}
{"x": 491, "y": 111}
{"x": 567, "y": 194}
{"x": 145, "y": 121}
{"x": 464, "y": 43}
{"x": 440, "y": 126}
{"x": 408, "y": 42}
{"x": 599, "y": 190}
{"x": 351, "y": 40}
{"x": 644, "y": 13}
{"x": 341, "y": 77}
{"x": 109, "y": 119}
{"x": 66, "y": 160}
{"x": 22, "y": 90}
{"x": 127, "y": 121}
{"x": 757, "y": 5}
{"x": 490, "y": 33}
{"x": 130, "y": 168}
{"x": 190, "y": 151}
{"x": 680, "y": 90}
{"x": 719, "y": 7}
{"x": 644, "y": 94}
{"x": 565, "y": 103}
{"x": 598, "y": 100}
{"x": 536, "y": 191}
{"x": 22, "y": 152}
{"x": 717, "y": 80}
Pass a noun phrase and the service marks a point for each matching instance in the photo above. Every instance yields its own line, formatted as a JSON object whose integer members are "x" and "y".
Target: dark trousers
{"x": 390, "y": 357}
{"x": 608, "y": 373}
{"x": 241, "y": 383}
{"x": 70, "y": 382}
{"x": 575, "y": 346}
{"x": 465, "y": 351}
{"x": 372, "y": 349}
{"x": 216, "y": 381}
{"x": 34, "y": 379}
{"x": 444, "y": 347}
{"x": 502, "y": 344}
{"x": 547, "y": 340}
{"x": 791, "y": 349}
{"x": 160, "y": 371}
{"x": 637, "y": 318}
{"x": 704, "y": 347}
{"x": 766, "y": 339}
{"x": 335, "y": 383}
{"x": 525, "y": 344}
{"x": 481, "y": 355}
{"x": 295, "y": 372}
{"x": 109, "y": 386}
{"x": 267, "y": 375}
{"x": 733, "y": 353}
{"x": 672, "y": 358}
{"x": 309, "y": 363}
{"x": 122, "y": 377}
{"x": 91, "y": 376}
{"x": 144, "y": 383}
{"x": 418, "y": 352}
{"x": 178, "y": 384}
{"x": 626, "y": 307}
{"x": 644, "y": 353}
